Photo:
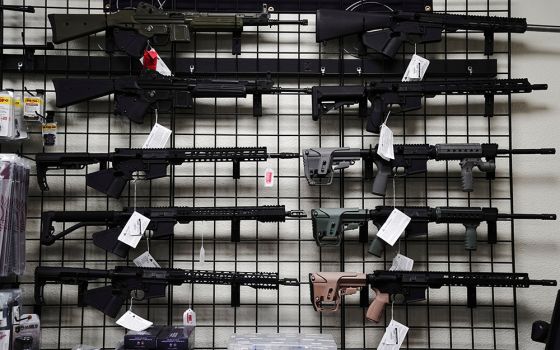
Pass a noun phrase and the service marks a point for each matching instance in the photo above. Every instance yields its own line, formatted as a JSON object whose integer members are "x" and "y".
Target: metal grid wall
{"x": 442, "y": 322}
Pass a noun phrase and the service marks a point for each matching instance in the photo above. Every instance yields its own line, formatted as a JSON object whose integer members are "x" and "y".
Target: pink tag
{"x": 269, "y": 178}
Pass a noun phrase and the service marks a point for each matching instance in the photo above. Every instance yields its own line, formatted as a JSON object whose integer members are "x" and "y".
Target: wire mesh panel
{"x": 442, "y": 322}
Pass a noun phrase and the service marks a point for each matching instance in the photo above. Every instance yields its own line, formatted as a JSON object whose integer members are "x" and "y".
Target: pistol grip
{"x": 382, "y": 178}
{"x": 377, "y": 306}
{"x": 377, "y": 116}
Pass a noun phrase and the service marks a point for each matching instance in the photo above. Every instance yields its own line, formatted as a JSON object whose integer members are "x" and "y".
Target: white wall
{"x": 536, "y": 124}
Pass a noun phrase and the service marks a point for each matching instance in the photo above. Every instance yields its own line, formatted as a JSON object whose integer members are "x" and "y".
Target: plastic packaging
{"x": 14, "y": 186}
{"x": 282, "y": 341}
{"x": 12, "y": 123}
{"x": 10, "y": 300}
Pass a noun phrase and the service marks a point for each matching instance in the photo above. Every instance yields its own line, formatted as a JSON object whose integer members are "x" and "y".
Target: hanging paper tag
{"x": 269, "y": 177}
{"x": 146, "y": 260}
{"x": 402, "y": 263}
{"x": 15, "y": 314}
{"x": 394, "y": 336}
{"x": 158, "y": 137}
{"x": 151, "y": 60}
{"x": 386, "y": 149}
{"x": 416, "y": 69}
{"x": 189, "y": 318}
{"x": 393, "y": 227}
{"x": 202, "y": 256}
{"x": 133, "y": 322}
{"x": 134, "y": 229}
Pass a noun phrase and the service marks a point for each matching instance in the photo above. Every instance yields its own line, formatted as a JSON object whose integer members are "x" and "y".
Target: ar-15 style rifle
{"x": 409, "y": 96}
{"x": 152, "y": 162}
{"x": 386, "y": 32}
{"x": 328, "y": 288}
{"x": 329, "y": 224}
{"x": 131, "y": 30}
{"x": 135, "y": 97}
{"x": 549, "y": 333}
{"x": 126, "y": 281}
{"x": 320, "y": 163}
{"x": 162, "y": 222}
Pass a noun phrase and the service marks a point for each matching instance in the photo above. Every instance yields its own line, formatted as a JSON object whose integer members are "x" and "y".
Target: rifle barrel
{"x": 284, "y": 155}
{"x": 296, "y": 214}
{"x": 275, "y": 22}
{"x": 279, "y": 90}
{"x": 528, "y": 151}
{"x": 528, "y": 216}
{"x": 28, "y": 9}
{"x": 543, "y": 28}
{"x": 548, "y": 283}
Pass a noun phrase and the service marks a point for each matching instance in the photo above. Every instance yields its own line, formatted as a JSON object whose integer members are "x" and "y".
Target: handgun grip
{"x": 377, "y": 116}
{"x": 384, "y": 171}
{"x": 377, "y": 306}
{"x": 376, "y": 247}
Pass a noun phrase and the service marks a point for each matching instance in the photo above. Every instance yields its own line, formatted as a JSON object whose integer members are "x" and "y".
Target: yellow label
{"x": 17, "y": 103}
{"x": 5, "y": 100}
{"x": 33, "y": 101}
{"x": 49, "y": 128}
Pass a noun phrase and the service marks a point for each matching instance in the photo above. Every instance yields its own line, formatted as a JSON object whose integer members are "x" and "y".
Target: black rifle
{"x": 386, "y": 32}
{"x": 127, "y": 281}
{"x": 162, "y": 222}
{"x": 328, "y": 288}
{"x": 152, "y": 162}
{"x": 549, "y": 333}
{"x": 320, "y": 163}
{"x": 131, "y": 30}
{"x": 17, "y": 8}
{"x": 135, "y": 97}
{"x": 409, "y": 96}
{"x": 329, "y": 224}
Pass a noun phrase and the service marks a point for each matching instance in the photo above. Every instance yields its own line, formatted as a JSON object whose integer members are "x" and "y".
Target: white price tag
{"x": 158, "y": 137}
{"x": 393, "y": 228}
{"x": 416, "y": 69}
{"x": 15, "y": 315}
{"x": 133, "y": 322}
{"x": 189, "y": 318}
{"x": 385, "y": 148}
{"x": 202, "y": 256}
{"x": 146, "y": 260}
{"x": 402, "y": 263}
{"x": 134, "y": 229}
{"x": 394, "y": 336}
{"x": 269, "y": 177}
